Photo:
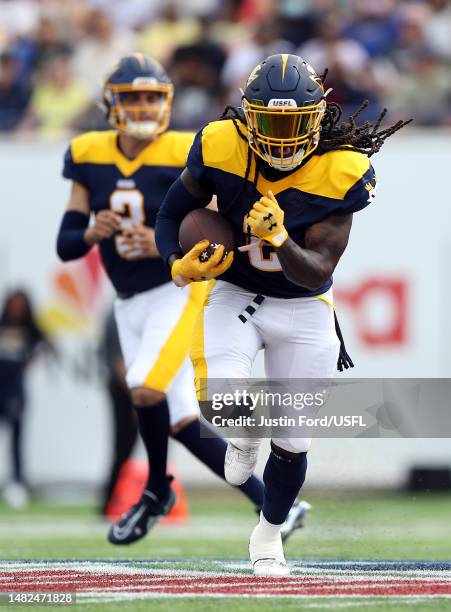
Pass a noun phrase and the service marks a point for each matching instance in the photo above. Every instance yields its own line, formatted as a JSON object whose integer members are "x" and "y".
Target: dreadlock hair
{"x": 348, "y": 136}
{"x": 334, "y": 136}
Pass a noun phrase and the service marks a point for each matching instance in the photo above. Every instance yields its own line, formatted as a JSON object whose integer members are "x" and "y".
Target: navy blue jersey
{"x": 133, "y": 189}
{"x": 338, "y": 182}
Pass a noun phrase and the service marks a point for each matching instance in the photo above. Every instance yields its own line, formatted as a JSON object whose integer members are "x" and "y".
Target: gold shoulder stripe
{"x": 170, "y": 149}
{"x": 222, "y": 148}
{"x": 331, "y": 175}
{"x": 94, "y": 147}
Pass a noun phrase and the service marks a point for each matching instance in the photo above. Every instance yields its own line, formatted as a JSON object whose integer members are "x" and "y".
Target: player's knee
{"x": 177, "y": 427}
{"x": 291, "y": 448}
{"x": 143, "y": 396}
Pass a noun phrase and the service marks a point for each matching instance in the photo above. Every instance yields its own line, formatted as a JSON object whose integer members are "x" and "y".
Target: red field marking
{"x": 177, "y": 583}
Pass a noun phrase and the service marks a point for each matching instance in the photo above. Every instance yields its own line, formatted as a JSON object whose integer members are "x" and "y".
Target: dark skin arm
{"x": 310, "y": 266}
{"x": 325, "y": 243}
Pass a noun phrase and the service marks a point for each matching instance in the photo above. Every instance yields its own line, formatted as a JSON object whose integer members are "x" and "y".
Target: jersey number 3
{"x": 129, "y": 204}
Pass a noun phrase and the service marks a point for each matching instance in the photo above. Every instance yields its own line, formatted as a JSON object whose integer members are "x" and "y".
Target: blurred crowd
{"x": 54, "y": 55}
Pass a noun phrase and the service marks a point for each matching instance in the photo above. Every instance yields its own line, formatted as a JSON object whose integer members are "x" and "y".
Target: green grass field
{"x": 341, "y": 527}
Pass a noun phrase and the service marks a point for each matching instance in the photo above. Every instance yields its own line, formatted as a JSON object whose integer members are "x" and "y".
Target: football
{"x": 205, "y": 224}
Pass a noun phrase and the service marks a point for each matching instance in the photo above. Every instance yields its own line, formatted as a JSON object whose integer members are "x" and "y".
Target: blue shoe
{"x": 136, "y": 522}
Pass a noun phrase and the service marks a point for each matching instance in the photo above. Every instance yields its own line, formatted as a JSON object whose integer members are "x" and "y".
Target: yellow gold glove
{"x": 266, "y": 220}
{"x": 191, "y": 269}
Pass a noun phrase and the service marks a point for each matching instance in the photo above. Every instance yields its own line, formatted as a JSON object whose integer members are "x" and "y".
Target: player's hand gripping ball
{"x": 206, "y": 239}
{"x": 266, "y": 220}
{"x": 190, "y": 268}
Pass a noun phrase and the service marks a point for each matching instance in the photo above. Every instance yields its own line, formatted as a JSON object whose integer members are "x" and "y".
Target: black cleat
{"x": 295, "y": 518}
{"x": 136, "y": 522}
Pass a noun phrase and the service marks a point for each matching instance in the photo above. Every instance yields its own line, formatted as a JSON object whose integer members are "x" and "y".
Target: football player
{"x": 121, "y": 176}
{"x": 288, "y": 176}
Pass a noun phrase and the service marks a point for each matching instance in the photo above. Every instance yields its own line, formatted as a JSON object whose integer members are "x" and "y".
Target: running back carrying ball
{"x": 204, "y": 224}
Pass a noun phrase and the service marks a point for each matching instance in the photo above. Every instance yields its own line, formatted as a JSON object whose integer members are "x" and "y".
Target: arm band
{"x": 176, "y": 205}
{"x": 70, "y": 243}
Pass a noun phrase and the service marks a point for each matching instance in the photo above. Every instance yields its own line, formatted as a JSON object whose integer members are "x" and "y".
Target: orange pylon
{"x": 130, "y": 485}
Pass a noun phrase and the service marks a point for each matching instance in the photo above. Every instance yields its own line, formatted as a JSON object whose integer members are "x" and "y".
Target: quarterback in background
{"x": 122, "y": 176}
{"x": 288, "y": 176}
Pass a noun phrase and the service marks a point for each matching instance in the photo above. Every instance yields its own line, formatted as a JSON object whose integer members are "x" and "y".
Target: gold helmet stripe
{"x": 284, "y": 64}
{"x": 140, "y": 58}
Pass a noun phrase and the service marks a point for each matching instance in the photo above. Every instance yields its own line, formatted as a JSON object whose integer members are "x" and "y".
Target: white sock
{"x": 267, "y": 530}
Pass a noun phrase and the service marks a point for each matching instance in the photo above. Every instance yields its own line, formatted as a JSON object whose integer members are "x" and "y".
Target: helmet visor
{"x": 287, "y": 125}
{"x": 284, "y": 123}
{"x": 275, "y": 130}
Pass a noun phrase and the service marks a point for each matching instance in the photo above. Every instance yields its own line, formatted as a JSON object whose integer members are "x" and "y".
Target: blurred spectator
{"x": 20, "y": 341}
{"x": 242, "y": 59}
{"x": 438, "y": 29}
{"x": 99, "y": 47}
{"x": 57, "y": 99}
{"x": 46, "y": 40}
{"x": 195, "y": 71}
{"x": 129, "y": 15}
{"x": 365, "y": 44}
{"x": 350, "y": 72}
{"x": 136, "y": 14}
{"x": 229, "y": 34}
{"x": 14, "y": 93}
{"x": 298, "y": 20}
{"x": 252, "y": 11}
{"x": 198, "y": 9}
{"x": 375, "y": 25}
{"x": 332, "y": 50}
{"x": 163, "y": 36}
{"x": 125, "y": 424}
{"x": 214, "y": 52}
{"x": 49, "y": 40}
{"x": 18, "y": 18}
{"x": 423, "y": 91}
{"x": 411, "y": 41}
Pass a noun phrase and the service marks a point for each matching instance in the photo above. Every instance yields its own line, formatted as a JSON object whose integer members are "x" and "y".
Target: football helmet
{"x": 138, "y": 73}
{"x": 283, "y": 104}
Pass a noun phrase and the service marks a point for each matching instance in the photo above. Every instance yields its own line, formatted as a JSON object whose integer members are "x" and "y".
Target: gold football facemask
{"x": 283, "y": 134}
{"x": 136, "y": 120}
